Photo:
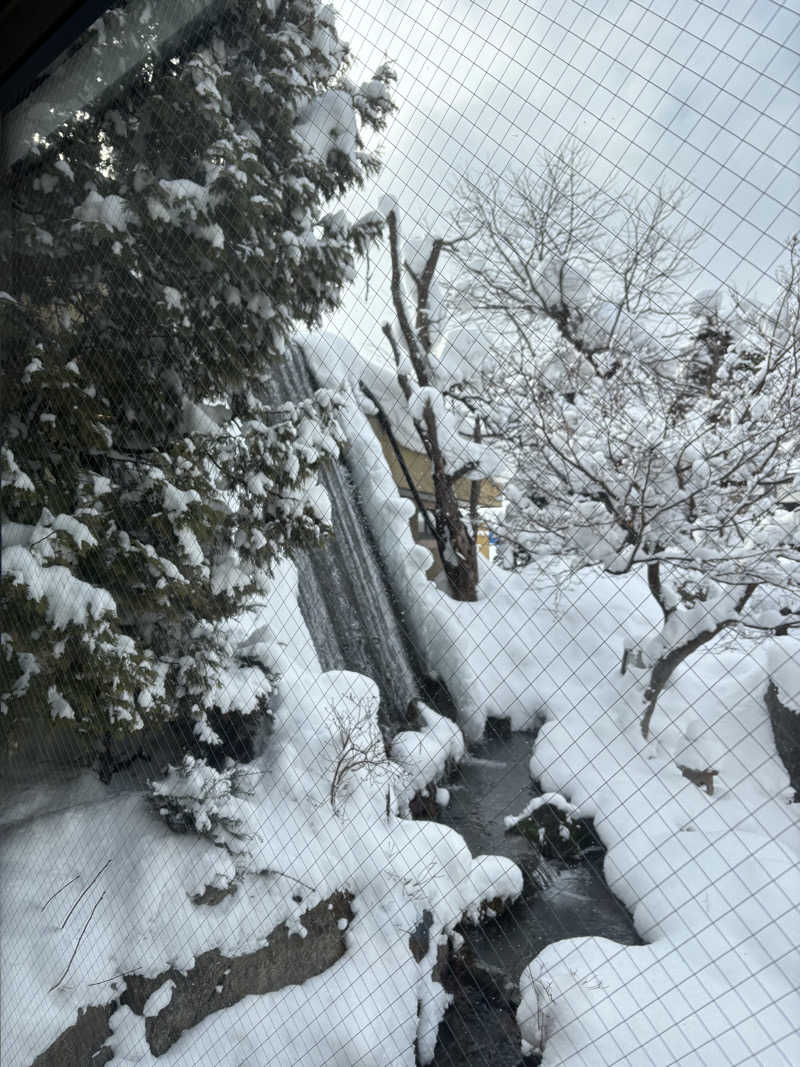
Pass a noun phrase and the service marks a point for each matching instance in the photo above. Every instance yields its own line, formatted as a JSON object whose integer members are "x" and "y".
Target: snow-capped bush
{"x": 195, "y": 797}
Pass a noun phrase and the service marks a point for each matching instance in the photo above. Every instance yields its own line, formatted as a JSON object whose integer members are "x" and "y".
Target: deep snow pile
{"x": 101, "y": 875}
{"x": 713, "y": 880}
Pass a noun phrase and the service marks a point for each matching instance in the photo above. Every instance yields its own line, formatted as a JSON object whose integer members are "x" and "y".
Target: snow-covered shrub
{"x": 195, "y": 797}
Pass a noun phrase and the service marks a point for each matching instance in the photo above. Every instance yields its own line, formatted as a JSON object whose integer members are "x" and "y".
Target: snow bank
{"x": 712, "y": 880}
{"x": 96, "y": 885}
{"x": 492, "y": 879}
{"x": 424, "y": 754}
{"x": 591, "y": 1001}
{"x": 112, "y": 866}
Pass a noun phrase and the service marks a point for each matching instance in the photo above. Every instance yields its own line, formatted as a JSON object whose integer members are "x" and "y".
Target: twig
{"x": 105, "y": 981}
{"x": 305, "y": 885}
{"x": 77, "y": 946}
{"x": 83, "y": 894}
{"x": 61, "y": 890}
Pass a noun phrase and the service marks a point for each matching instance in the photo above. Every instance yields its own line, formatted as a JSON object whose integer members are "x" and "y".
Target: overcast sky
{"x": 705, "y": 94}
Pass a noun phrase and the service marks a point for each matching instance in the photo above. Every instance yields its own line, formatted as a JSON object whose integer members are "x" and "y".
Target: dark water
{"x": 559, "y": 901}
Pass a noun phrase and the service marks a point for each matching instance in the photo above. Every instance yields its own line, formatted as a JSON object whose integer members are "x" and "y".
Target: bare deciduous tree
{"x": 649, "y": 432}
{"x": 455, "y": 535}
{"x": 553, "y": 247}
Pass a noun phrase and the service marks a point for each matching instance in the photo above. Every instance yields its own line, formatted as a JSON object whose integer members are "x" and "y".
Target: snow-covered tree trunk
{"x": 683, "y": 633}
{"x": 455, "y": 535}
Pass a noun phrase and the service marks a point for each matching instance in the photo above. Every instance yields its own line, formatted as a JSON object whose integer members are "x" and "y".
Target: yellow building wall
{"x": 419, "y": 468}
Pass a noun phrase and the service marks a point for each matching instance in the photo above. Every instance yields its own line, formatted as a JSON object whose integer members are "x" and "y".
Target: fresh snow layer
{"x": 95, "y": 885}
{"x": 594, "y": 1002}
{"x": 713, "y": 881}
{"x": 425, "y": 754}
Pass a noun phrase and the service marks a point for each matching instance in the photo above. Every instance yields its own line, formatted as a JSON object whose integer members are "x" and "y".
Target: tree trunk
{"x": 664, "y": 667}
{"x": 459, "y": 551}
{"x": 455, "y": 538}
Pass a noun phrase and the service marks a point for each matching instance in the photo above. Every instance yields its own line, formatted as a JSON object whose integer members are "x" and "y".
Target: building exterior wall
{"x": 419, "y": 468}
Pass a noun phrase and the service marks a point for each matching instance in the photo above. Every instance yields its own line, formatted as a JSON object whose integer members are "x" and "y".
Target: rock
{"x": 212, "y": 895}
{"x": 215, "y": 982}
{"x": 423, "y": 804}
{"x": 491, "y": 909}
{"x": 786, "y": 729}
{"x": 419, "y": 940}
{"x": 83, "y": 1042}
{"x": 557, "y": 834}
{"x": 498, "y": 728}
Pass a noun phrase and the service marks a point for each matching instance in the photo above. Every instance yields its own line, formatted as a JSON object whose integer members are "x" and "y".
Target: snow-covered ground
{"x": 95, "y": 885}
{"x": 713, "y": 880}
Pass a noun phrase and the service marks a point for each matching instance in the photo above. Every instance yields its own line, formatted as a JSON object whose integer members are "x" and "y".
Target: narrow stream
{"x": 560, "y": 900}
{"x": 354, "y": 623}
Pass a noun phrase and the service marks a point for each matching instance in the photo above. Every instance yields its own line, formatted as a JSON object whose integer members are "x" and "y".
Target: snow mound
{"x": 425, "y": 754}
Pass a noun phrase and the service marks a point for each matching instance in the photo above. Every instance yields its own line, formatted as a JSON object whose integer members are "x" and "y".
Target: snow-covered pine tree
{"x": 159, "y": 252}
